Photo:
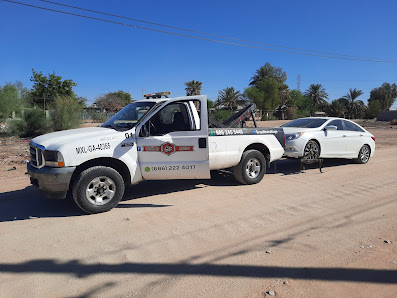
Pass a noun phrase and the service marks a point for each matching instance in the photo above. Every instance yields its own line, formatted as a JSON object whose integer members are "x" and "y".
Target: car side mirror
{"x": 331, "y": 127}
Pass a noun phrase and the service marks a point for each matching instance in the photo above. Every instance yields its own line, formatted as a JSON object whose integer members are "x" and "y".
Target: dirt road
{"x": 300, "y": 234}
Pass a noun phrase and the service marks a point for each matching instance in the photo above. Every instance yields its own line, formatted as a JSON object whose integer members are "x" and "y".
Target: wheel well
{"x": 116, "y": 164}
{"x": 261, "y": 148}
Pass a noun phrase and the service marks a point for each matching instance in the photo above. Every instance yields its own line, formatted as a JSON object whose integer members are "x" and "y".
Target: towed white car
{"x": 326, "y": 137}
{"x": 147, "y": 140}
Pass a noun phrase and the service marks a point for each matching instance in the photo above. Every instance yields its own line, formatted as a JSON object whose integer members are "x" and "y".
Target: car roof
{"x": 325, "y": 118}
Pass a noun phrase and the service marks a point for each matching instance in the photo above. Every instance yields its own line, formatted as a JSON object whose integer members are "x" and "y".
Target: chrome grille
{"x": 36, "y": 156}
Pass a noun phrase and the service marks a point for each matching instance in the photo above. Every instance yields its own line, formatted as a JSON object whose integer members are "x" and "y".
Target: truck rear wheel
{"x": 251, "y": 167}
{"x": 98, "y": 189}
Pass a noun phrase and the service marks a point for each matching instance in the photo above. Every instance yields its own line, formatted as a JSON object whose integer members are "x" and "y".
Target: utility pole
{"x": 298, "y": 80}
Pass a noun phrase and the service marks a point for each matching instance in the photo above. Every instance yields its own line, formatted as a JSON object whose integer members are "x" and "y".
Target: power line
{"x": 200, "y": 38}
{"x": 210, "y": 34}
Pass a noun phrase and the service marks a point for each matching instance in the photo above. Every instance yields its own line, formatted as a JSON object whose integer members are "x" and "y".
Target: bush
{"x": 222, "y": 115}
{"x": 374, "y": 107}
{"x": 32, "y": 123}
{"x": 98, "y": 117}
{"x": 291, "y": 113}
{"x": 66, "y": 114}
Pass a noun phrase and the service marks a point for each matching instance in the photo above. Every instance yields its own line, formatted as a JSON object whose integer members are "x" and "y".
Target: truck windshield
{"x": 305, "y": 122}
{"x": 128, "y": 117}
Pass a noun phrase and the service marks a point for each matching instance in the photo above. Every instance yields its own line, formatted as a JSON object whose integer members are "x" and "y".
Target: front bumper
{"x": 54, "y": 182}
{"x": 292, "y": 151}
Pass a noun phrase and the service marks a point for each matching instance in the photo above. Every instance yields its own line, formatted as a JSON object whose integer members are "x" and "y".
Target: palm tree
{"x": 268, "y": 71}
{"x": 317, "y": 94}
{"x": 229, "y": 98}
{"x": 336, "y": 109}
{"x": 355, "y": 107}
{"x": 193, "y": 88}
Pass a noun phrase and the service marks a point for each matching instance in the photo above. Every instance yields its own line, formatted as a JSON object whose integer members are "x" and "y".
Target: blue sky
{"x": 102, "y": 57}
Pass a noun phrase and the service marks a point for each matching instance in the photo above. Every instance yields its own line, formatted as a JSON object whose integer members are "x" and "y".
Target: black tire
{"x": 363, "y": 155}
{"x": 251, "y": 167}
{"x": 311, "y": 151}
{"x": 98, "y": 189}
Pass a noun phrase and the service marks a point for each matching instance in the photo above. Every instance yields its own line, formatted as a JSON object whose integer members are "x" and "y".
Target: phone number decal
{"x": 170, "y": 168}
{"x": 92, "y": 148}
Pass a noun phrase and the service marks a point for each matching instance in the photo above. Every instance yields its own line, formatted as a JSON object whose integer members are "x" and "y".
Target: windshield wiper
{"x": 110, "y": 126}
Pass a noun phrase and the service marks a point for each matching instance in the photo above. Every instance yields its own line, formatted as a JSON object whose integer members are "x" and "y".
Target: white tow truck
{"x": 150, "y": 139}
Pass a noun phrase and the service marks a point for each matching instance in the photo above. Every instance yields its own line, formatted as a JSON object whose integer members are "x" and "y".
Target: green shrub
{"x": 66, "y": 114}
{"x": 222, "y": 115}
{"x": 98, "y": 117}
{"x": 32, "y": 123}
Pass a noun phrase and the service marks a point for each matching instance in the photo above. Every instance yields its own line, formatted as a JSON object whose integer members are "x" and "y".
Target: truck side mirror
{"x": 144, "y": 130}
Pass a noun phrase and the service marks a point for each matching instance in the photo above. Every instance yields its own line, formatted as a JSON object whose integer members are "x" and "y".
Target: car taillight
{"x": 373, "y": 138}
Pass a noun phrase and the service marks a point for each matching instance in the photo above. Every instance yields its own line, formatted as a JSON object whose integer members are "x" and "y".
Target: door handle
{"x": 361, "y": 135}
{"x": 202, "y": 142}
{"x": 344, "y": 136}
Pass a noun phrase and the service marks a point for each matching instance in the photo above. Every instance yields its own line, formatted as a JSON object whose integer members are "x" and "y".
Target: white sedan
{"x": 326, "y": 137}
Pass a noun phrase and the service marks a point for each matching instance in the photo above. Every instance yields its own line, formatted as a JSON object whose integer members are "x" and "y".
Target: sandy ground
{"x": 300, "y": 234}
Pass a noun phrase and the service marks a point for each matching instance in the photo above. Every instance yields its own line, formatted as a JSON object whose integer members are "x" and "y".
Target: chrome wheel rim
{"x": 100, "y": 190}
{"x": 253, "y": 168}
{"x": 364, "y": 154}
{"x": 311, "y": 151}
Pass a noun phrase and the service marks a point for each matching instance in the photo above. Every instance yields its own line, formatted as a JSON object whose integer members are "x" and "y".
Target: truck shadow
{"x": 144, "y": 189}
{"x": 30, "y": 203}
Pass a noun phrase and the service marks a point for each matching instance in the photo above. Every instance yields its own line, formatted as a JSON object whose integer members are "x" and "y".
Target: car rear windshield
{"x": 305, "y": 122}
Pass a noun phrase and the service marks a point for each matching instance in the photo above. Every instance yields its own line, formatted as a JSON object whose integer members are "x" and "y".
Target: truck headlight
{"x": 53, "y": 159}
{"x": 293, "y": 136}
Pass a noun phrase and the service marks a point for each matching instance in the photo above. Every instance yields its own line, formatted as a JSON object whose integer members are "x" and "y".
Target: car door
{"x": 355, "y": 137}
{"x": 333, "y": 143}
{"x": 173, "y": 142}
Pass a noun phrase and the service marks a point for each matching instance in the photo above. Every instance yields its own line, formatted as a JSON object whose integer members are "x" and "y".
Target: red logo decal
{"x": 167, "y": 148}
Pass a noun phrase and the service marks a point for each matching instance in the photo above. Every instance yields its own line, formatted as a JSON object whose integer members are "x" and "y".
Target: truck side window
{"x": 173, "y": 117}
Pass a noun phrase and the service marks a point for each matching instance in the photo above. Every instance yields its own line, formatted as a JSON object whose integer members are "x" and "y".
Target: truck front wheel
{"x": 98, "y": 189}
{"x": 251, "y": 167}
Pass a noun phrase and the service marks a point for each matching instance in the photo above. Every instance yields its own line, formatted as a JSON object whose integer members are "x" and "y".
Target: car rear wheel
{"x": 251, "y": 168}
{"x": 98, "y": 189}
{"x": 364, "y": 154}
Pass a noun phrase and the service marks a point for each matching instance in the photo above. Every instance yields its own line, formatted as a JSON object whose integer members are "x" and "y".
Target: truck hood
{"x": 55, "y": 140}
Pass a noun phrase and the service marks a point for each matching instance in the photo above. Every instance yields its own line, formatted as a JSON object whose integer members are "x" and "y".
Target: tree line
{"x": 272, "y": 96}
{"x": 267, "y": 89}
{"x": 50, "y": 105}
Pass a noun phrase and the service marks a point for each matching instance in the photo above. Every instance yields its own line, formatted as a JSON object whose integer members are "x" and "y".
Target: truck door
{"x": 173, "y": 142}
